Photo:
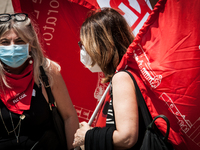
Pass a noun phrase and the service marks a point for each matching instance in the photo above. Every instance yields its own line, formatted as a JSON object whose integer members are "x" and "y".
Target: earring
{"x": 30, "y": 61}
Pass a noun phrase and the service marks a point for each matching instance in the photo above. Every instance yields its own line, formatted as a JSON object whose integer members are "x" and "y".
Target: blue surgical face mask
{"x": 14, "y": 55}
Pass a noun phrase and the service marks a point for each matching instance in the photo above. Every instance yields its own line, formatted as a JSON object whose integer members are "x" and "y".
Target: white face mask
{"x": 87, "y": 61}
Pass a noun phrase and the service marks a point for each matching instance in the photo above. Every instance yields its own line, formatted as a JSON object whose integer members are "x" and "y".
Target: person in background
{"x": 105, "y": 37}
{"x": 25, "y": 117}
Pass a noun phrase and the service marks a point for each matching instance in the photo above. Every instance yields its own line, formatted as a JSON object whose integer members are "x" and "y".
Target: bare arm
{"x": 126, "y": 114}
{"x": 126, "y": 111}
{"x": 65, "y": 107}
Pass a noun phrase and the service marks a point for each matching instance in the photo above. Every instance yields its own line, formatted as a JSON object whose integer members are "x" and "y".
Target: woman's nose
{"x": 12, "y": 42}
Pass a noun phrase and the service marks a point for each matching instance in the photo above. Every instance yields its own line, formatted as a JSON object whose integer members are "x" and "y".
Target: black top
{"x": 37, "y": 122}
{"x": 101, "y": 138}
{"x": 110, "y": 121}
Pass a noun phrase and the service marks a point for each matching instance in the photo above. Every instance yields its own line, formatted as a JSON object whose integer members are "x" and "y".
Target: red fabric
{"x": 18, "y": 97}
{"x": 58, "y": 24}
{"x": 136, "y": 10}
{"x": 101, "y": 118}
{"x": 166, "y": 55}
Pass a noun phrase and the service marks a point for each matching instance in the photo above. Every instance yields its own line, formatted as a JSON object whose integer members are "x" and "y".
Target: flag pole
{"x": 99, "y": 105}
{"x": 97, "y": 108}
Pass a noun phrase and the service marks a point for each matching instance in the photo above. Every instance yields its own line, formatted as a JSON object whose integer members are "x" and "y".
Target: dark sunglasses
{"x": 20, "y": 17}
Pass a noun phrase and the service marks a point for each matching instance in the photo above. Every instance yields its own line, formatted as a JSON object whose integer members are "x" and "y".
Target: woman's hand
{"x": 79, "y": 136}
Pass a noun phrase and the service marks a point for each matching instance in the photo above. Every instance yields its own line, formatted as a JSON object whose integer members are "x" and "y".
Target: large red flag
{"x": 58, "y": 23}
{"x": 165, "y": 57}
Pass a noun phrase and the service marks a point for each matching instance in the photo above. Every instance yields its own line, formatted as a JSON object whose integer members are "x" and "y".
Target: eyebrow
{"x": 8, "y": 39}
{"x": 3, "y": 39}
{"x": 18, "y": 39}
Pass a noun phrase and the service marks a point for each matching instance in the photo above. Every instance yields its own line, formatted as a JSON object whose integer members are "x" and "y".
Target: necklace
{"x": 21, "y": 117}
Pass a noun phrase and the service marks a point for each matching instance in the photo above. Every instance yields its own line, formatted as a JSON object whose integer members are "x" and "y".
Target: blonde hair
{"x": 25, "y": 30}
{"x": 106, "y": 36}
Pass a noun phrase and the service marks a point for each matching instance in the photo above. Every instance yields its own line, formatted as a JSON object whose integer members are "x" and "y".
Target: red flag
{"x": 165, "y": 56}
{"x": 59, "y": 22}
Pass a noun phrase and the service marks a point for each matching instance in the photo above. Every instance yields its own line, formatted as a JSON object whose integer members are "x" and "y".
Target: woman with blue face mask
{"x": 25, "y": 117}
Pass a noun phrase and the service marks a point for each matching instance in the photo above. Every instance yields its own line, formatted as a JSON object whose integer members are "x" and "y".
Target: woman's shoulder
{"x": 121, "y": 76}
{"x": 123, "y": 80}
{"x": 53, "y": 67}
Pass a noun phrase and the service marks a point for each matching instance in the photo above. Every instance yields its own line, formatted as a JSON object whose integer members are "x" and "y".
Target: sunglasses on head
{"x": 20, "y": 17}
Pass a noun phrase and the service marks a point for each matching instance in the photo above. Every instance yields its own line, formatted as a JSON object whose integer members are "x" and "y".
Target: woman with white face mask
{"x": 25, "y": 117}
{"x": 105, "y": 37}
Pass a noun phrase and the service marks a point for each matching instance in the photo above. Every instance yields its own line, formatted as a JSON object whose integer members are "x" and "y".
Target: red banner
{"x": 59, "y": 22}
{"x": 165, "y": 58}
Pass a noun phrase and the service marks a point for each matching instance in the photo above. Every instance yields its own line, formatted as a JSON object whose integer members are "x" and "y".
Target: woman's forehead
{"x": 10, "y": 34}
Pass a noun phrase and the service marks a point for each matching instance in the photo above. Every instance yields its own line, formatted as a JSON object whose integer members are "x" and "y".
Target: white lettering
{"x": 22, "y": 96}
{"x": 135, "y": 5}
{"x": 19, "y": 98}
{"x": 149, "y": 4}
{"x": 51, "y": 20}
{"x": 130, "y": 17}
{"x": 37, "y": 13}
{"x": 35, "y": 1}
{"x": 45, "y": 27}
{"x": 137, "y": 28}
{"x": 132, "y": 3}
{"x": 103, "y": 3}
{"x": 46, "y": 35}
{"x": 54, "y": 4}
{"x": 52, "y": 11}
{"x": 15, "y": 100}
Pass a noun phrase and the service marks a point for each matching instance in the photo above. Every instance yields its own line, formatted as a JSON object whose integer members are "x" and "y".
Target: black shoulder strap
{"x": 48, "y": 88}
{"x": 142, "y": 105}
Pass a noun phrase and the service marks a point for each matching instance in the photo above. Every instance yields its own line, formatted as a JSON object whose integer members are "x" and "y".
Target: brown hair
{"x": 106, "y": 36}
